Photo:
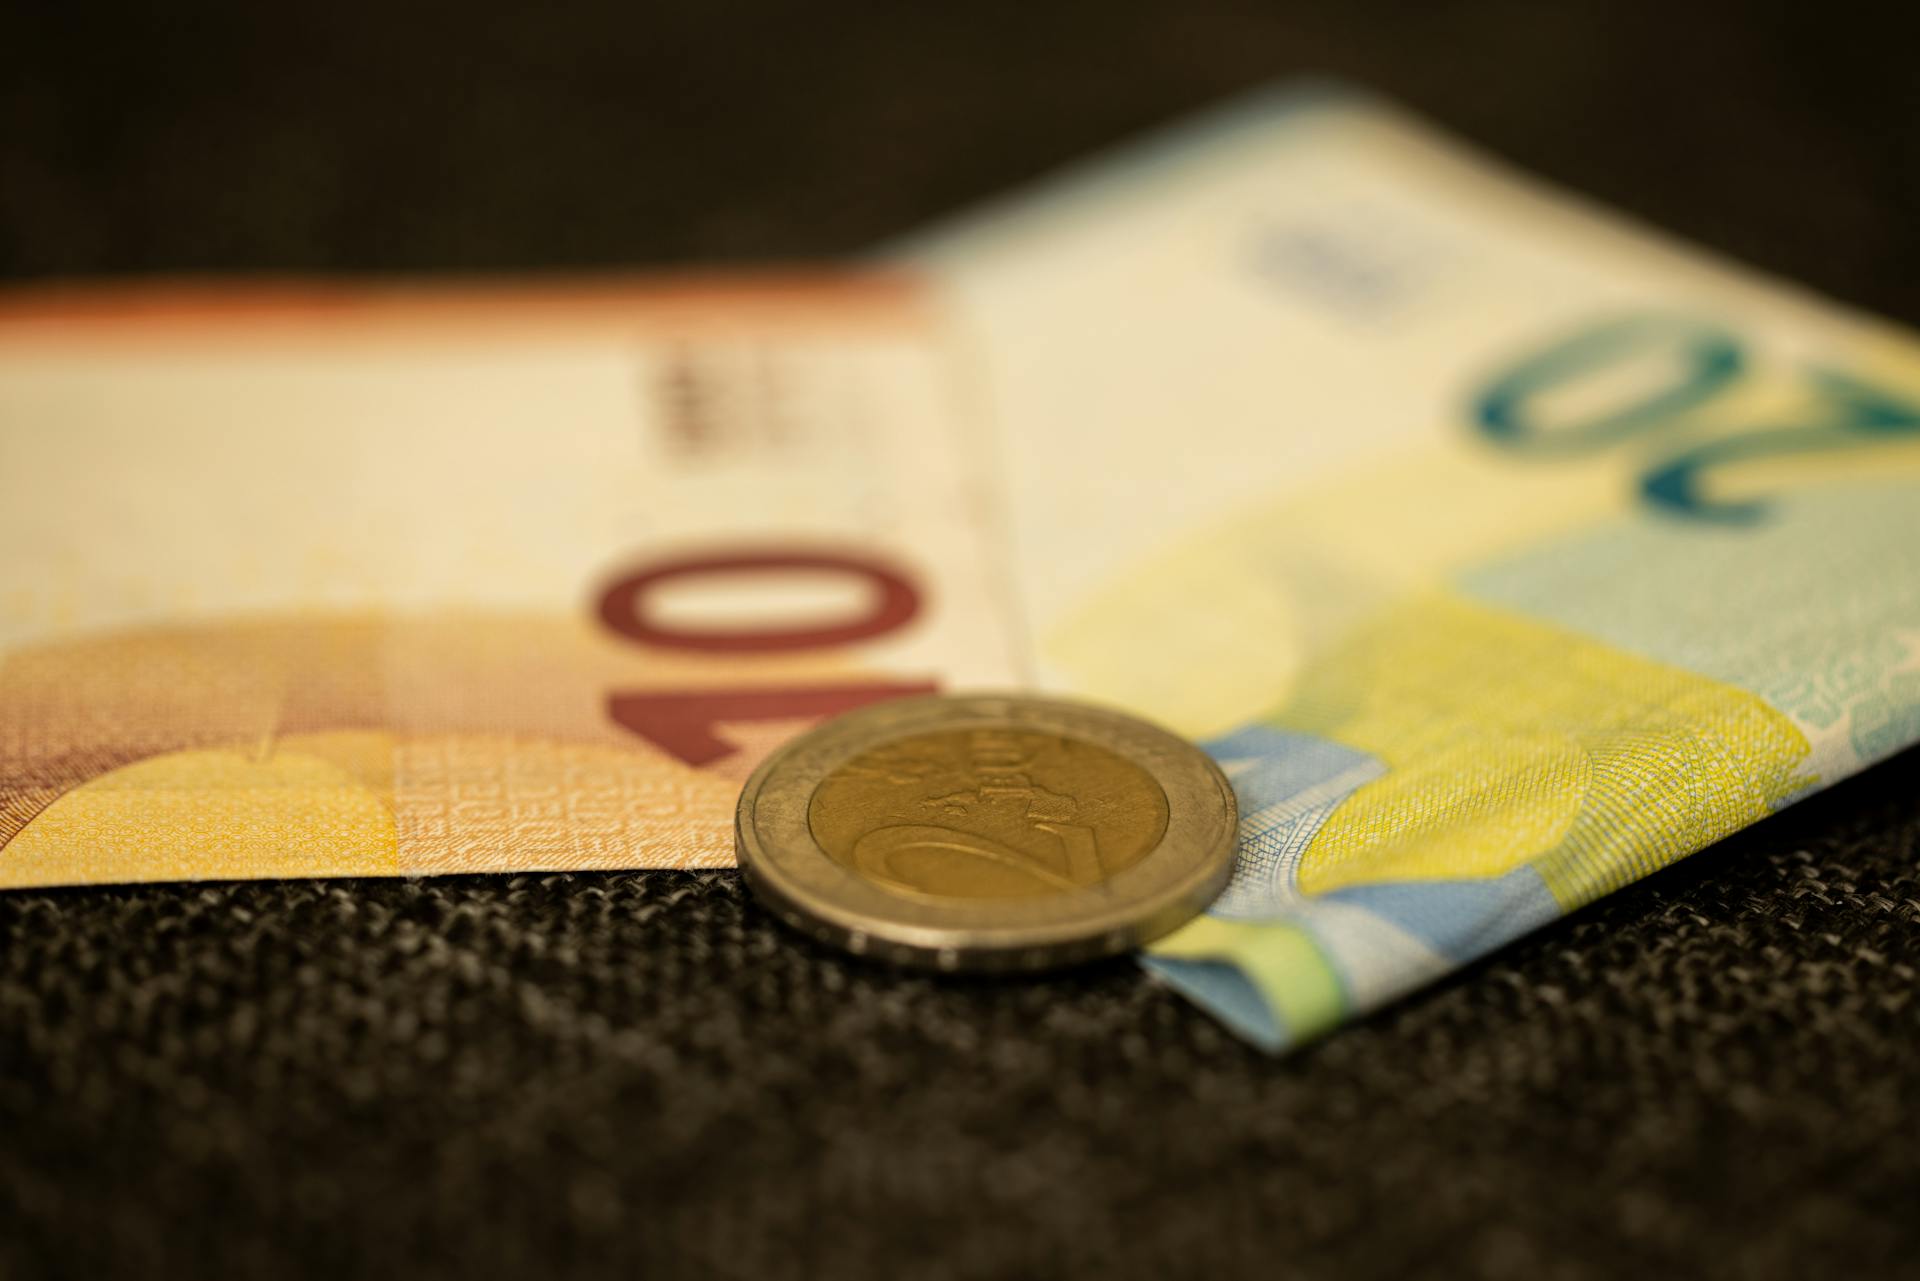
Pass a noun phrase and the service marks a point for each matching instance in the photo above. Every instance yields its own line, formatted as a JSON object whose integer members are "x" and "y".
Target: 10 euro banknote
{"x": 1500, "y": 551}
{"x": 462, "y": 579}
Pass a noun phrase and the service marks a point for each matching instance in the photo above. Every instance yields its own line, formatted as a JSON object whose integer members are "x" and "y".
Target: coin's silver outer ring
{"x": 808, "y": 889}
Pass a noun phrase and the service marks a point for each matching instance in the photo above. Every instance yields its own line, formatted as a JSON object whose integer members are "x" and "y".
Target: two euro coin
{"x": 986, "y": 832}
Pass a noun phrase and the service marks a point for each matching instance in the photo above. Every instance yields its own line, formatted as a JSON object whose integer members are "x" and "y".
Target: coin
{"x": 986, "y": 832}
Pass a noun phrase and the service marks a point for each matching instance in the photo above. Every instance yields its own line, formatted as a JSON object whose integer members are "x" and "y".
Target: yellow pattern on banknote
{"x": 1508, "y": 739}
{"x": 293, "y": 809}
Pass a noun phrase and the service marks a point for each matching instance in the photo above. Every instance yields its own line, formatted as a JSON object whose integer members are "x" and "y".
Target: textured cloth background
{"x": 1714, "y": 1073}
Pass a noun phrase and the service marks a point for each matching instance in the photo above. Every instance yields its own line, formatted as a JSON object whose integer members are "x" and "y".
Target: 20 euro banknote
{"x": 408, "y": 580}
{"x": 1502, "y": 552}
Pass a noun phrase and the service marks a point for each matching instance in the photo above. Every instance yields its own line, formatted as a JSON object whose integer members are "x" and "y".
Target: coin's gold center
{"x": 988, "y": 813}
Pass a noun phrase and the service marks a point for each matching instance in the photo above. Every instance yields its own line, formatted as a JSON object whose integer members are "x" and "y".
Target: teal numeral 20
{"x": 1698, "y": 363}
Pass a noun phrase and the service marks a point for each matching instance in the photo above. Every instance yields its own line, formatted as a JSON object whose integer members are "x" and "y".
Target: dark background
{"x": 1712, "y": 1073}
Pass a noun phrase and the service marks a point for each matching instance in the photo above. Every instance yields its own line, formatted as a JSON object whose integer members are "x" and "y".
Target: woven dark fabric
{"x": 1715, "y": 1072}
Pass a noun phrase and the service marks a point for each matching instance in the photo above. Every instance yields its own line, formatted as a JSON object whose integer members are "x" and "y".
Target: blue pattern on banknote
{"x": 1459, "y": 919}
{"x": 1287, "y": 784}
{"x": 1826, "y": 626}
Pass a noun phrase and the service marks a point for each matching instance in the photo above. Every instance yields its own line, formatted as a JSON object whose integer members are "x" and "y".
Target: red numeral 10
{"x": 683, "y": 722}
